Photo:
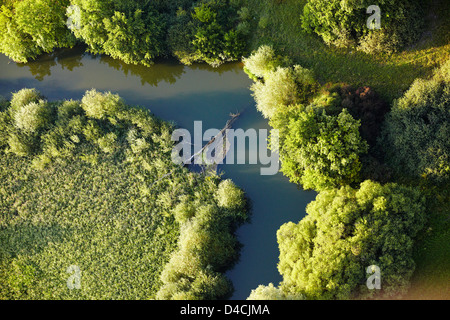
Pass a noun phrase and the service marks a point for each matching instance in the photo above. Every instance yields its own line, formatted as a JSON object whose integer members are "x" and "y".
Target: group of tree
{"x": 344, "y": 23}
{"x": 320, "y": 142}
{"x": 361, "y": 217}
{"x": 135, "y": 32}
{"x": 92, "y": 184}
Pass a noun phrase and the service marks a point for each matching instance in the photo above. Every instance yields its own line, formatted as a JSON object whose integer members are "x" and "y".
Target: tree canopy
{"x": 416, "y": 132}
{"x": 326, "y": 255}
{"x": 317, "y": 150}
{"x": 344, "y": 23}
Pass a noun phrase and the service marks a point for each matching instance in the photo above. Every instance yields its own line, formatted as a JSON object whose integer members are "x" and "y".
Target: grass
{"x": 279, "y": 23}
{"x": 92, "y": 216}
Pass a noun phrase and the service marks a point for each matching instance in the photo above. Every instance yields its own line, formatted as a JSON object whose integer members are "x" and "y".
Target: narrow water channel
{"x": 182, "y": 94}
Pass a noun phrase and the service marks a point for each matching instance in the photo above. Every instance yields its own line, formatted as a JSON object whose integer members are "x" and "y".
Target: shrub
{"x": 21, "y": 144}
{"x": 281, "y": 87}
{"x": 211, "y": 33}
{"x": 326, "y": 255}
{"x": 24, "y": 97}
{"x": 271, "y": 292}
{"x": 101, "y": 105}
{"x": 126, "y": 30}
{"x": 261, "y": 62}
{"x": 415, "y": 135}
{"x": 33, "y": 116}
{"x": 344, "y": 24}
{"x": 229, "y": 196}
{"x": 320, "y": 151}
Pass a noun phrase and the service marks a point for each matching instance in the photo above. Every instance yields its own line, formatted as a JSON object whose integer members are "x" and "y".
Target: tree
{"x": 317, "y": 150}
{"x": 344, "y": 23}
{"x": 211, "y": 33}
{"x": 261, "y": 62}
{"x": 31, "y": 27}
{"x": 271, "y": 292}
{"x": 415, "y": 135}
{"x": 326, "y": 255}
{"x": 281, "y": 87}
{"x": 126, "y": 30}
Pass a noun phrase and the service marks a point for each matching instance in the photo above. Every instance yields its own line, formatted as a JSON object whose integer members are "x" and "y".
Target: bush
{"x": 261, "y": 62}
{"x": 29, "y": 28}
{"x": 317, "y": 150}
{"x": 212, "y": 31}
{"x": 24, "y": 97}
{"x": 281, "y": 87}
{"x": 344, "y": 24}
{"x": 271, "y": 292}
{"x": 33, "y": 116}
{"x": 101, "y": 105}
{"x": 325, "y": 256}
{"x": 415, "y": 135}
{"x": 229, "y": 196}
{"x": 126, "y": 30}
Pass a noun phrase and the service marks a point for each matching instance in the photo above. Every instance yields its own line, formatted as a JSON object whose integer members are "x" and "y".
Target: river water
{"x": 182, "y": 94}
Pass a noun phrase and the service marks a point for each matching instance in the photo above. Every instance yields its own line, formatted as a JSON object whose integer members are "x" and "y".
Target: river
{"x": 182, "y": 94}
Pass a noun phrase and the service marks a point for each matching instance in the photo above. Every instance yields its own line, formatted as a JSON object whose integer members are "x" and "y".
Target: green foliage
{"x": 229, "y": 196}
{"x": 101, "y": 105}
{"x": 33, "y": 116}
{"x": 125, "y": 30}
{"x": 283, "y": 86}
{"x": 89, "y": 193}
{"x": 24, "y": 97}
{"x": 31, "y": 27}
{"x": 326, "y": 255}
{"x": 417, "y": 130}
{"x": 344, "y": 24}
{"x": 261, "y": 62}
{"x": 317, "y": 150}
{"x": 206, "y": 246}
{"x": 271, "y": 292}
{"x": 213, "y": 32}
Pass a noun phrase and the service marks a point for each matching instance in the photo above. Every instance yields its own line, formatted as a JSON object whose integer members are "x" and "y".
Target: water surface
{"x": 182, "y": 94}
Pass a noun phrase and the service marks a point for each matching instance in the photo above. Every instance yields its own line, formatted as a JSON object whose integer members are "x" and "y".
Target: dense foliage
{"x": 275, "y": 85}
{"x": 326, "y": 255}
{"x": 212, "y": 31}
{"x": 344, "y": 23}
{"x": 317, "y": 150}
{"x": 82, "y": 186}
{"x": 31, "y": 27}
{"x": 416, "y": 134}
{"x": 127, "y": 30}
{"x": 323, "y": 146}
{"x": 320, "y": 143}
{"x": 135, "y": 32}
